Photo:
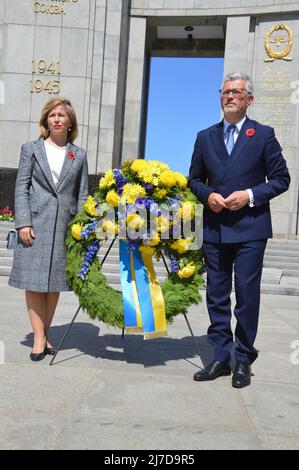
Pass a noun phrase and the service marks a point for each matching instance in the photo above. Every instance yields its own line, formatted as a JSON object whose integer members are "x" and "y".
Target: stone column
{"x": 82, "y": 44}
{"x": 134, "y": 89}
{"x": 1, "y": 54}
{"x": 277, "y": 104}
{"x": 111, "y": 83}
{"x": 237, "y": 45}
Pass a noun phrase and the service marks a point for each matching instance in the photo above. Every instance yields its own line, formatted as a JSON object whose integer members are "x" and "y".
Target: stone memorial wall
{"x": 97, "y": 53}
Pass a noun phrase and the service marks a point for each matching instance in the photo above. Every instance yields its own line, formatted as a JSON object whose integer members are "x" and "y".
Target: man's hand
{"x": 236, "y": 200}
{"x": 27, "y": 235}
{"x": 216, "y": 202}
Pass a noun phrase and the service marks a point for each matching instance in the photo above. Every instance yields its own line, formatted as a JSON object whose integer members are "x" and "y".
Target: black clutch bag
{"x": 12, "y": 240}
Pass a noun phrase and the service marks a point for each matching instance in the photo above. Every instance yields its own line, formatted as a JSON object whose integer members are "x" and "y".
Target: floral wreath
{"x": 116, "y": 208}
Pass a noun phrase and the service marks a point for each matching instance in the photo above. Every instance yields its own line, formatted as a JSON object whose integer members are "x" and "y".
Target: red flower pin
{"x": 250, "y": 132}
{"x": 71, "y": 155}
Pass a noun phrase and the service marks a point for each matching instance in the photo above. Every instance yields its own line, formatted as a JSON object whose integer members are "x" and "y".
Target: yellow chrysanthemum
{"x": 99, "y": 233}
{"x": 110, "y": 227}
{"x": 139, "y": 165}
{"x": 112, "y": 198}
{"x": 181, "y": 245}
{"x": 90, "y": 206}
{"x": 181, "y": 180}
{"x": 160, "y": 193}
{"x": 158, "y": 166}
{"x": 187, "y": 211}
{"x": 163, "y": 223}
{"x": 131, "y": 192}
{"x": 76, "y": 230}
{"x": 187, "y": 271}
{"x": 107, "y": 180}
{"x": 146, "y": 175}
{"x": 168, "y": 178}
{"x": 134, "y": 221}
{"x": 154, "y": 241}
{"x": 147, "y": 250}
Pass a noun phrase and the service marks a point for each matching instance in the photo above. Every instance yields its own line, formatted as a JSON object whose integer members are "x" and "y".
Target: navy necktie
{"x": 230, "y": 138}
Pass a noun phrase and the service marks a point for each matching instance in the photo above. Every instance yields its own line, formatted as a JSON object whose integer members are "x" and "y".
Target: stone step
{"x": 6, "y": 261}
{"x": 115, "y": 286}
{"x": 6, "y": 253}
{"x": 282, "y": 253}
{"x": 5, "y": 270}
{"x": 271, "y": 276}
{"x": 286, "y": 245}
{"x": 291, "y": 272}
{"x": 6, "y": 226}
{"x": 279, "y": 290}
{"x": 3, "y": 236}
{"x": 294, "y": 260}
{"x": 282, "y": 241}
{"x": 268, "y": 286}
{"x": 280, "y": 264}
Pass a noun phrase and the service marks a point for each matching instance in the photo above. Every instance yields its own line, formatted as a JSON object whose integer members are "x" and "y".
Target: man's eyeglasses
{"x": 237, "y": 92}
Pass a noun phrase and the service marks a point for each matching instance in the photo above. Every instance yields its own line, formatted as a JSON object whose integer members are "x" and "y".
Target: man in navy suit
{"x": 237, "y": 167}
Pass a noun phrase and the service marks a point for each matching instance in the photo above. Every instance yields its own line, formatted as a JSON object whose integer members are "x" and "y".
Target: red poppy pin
{"x": 71, "y": 155}
{"x": 250, "y": 132}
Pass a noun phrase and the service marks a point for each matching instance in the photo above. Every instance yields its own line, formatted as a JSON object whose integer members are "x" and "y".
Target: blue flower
{"x": 88, "y": 229}
{"x": 174, "y": 264}
{"x": 175, "y": 202}
{"x": 88, "y": 258}
{"x": 140, "y": 202}
{"x": 120, "y": 179}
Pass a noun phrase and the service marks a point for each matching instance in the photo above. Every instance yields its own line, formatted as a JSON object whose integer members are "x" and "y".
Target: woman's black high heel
{"x": 50, "y": 351}
{"x": 37, "y": 356}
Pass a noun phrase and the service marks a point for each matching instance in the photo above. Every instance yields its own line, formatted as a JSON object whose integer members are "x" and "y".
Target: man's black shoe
{"x": 214, "y": 370}
{"x": 242, "y": 375}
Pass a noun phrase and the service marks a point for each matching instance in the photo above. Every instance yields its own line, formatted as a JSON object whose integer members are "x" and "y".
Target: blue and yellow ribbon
{"x": 143, "y": 303}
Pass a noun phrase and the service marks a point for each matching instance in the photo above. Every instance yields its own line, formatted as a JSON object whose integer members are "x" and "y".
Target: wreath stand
{"x": 123, "y": 330}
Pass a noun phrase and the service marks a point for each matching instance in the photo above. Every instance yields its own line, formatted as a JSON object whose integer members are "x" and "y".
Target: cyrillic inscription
{"x": 52, "y": 7}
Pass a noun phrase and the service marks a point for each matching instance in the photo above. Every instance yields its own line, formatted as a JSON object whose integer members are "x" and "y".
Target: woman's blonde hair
{"x": 43, "y": 124}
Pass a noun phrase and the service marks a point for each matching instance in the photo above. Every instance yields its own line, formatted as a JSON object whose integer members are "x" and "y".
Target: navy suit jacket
{"x": 256, "y": 162}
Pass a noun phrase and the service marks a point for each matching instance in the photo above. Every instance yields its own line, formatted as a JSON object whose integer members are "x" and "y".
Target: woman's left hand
{"x": 27, "y": 235}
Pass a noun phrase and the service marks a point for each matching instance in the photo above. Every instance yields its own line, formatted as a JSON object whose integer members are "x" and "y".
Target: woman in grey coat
{"x": 51, "y": 186}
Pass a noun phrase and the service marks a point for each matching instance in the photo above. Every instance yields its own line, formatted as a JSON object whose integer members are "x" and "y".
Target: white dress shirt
{"x": 238, "y": 125}
{"x": 55, "y": 158}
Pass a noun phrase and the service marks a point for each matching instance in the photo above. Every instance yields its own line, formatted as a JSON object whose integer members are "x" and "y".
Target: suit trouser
{"x": 246, "y": 259}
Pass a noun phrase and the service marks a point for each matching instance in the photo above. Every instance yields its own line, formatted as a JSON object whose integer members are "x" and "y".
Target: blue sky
{"x": 183, "y": 99}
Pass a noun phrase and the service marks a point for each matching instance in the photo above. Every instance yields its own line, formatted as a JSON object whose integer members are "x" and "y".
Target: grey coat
{"x": 47, "y": 208}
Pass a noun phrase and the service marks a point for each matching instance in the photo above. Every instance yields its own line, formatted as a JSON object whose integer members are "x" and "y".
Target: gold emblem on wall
{"x": 278, "y": 42}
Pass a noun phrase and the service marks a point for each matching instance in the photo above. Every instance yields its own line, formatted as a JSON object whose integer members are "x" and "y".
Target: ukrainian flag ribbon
{"x": 143, "y": 303}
